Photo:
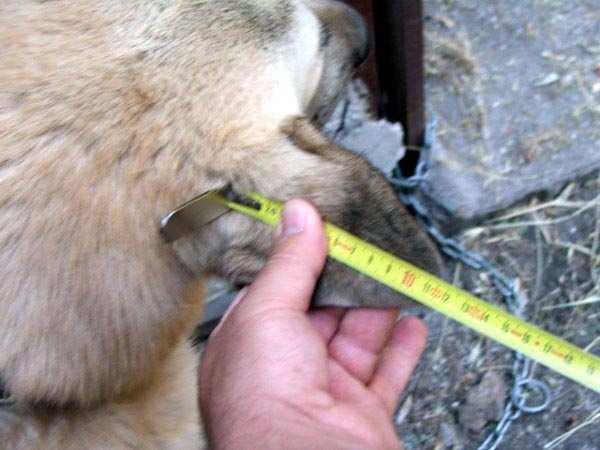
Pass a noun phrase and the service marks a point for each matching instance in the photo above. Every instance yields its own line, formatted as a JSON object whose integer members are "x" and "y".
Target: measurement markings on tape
{"x": 445, "y": 298}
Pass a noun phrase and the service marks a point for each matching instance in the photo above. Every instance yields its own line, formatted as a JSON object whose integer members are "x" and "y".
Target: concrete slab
{"x": 515, "y": 88}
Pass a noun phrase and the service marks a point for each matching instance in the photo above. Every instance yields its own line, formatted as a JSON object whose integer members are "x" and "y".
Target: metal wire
{"x": 523, "y": 382}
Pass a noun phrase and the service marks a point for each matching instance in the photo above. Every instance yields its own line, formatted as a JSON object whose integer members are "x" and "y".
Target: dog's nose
{"x": 360, "y": 36}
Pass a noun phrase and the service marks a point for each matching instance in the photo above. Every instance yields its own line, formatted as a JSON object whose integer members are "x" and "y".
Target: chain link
{"x": 523, "y": 382}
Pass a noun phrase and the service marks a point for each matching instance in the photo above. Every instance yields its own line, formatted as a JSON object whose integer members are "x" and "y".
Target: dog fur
{"x": 113, "y": 113}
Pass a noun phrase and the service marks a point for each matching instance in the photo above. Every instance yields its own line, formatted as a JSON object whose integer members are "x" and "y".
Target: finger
{"x": 398, "y": 361}
{"x": 344, "y": 387}
{"x": 326, "y": 321}
{"x": 289, "y": 277}
{"x": 348, "y": 390}
{"x": 361, "y": 336}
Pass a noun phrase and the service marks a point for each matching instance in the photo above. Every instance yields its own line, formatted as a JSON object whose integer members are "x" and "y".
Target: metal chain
{"x": 524, "y": 385}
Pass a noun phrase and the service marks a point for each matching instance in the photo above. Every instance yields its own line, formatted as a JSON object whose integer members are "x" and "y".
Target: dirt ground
{"x": 511, "y": 82}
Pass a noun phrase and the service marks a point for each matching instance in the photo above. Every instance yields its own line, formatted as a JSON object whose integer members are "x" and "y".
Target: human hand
{"x": 275, "y": 375}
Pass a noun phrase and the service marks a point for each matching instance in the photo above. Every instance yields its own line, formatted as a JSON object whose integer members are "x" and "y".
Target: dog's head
{"x": 309, "y": 51}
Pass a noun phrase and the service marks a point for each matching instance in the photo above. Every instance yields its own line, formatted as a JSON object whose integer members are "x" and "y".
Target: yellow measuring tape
{"x": 443, "y": 297}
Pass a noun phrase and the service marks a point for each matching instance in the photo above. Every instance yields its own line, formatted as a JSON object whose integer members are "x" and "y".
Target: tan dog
{"x": 112, "y": 113}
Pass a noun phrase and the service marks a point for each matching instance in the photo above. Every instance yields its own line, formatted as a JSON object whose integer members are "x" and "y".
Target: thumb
{"x": 289, "y": 277}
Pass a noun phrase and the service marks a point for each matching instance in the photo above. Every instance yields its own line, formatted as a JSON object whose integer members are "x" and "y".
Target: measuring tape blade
{"x": 403, "y": 277}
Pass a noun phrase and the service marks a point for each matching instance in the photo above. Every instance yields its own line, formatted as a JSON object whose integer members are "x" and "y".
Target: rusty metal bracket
{"x": 398, "y": 36}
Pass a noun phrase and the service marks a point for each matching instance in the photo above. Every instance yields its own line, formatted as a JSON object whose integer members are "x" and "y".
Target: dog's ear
{"x": 346, "y": 190}
{"x": 371, "y": 210}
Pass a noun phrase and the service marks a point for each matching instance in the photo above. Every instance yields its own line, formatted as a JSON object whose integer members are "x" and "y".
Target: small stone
{"x": 549, "y": 79}
{"x": 596, "y": 87}
{"x": 484, "y": 403}
{"x": 474, "y": 354}
{"x": 404, "y": 410}
{"x": 353, "y": 127}
{"x": 568, "y": 80}
{"x": 380, "y": 142}
{"x": 446, "y": 21}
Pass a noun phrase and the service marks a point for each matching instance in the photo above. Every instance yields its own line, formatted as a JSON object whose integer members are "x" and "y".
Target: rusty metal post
{"x": 399, "y": 47}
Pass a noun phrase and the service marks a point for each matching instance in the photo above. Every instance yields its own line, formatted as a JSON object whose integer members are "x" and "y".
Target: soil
{"x": 513, "y": 82}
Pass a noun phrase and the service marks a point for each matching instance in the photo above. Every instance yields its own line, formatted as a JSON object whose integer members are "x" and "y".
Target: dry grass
{"x": 539, "y": 233}
{"x": 453, "y": 60}
{"x": 593, "y": 417}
